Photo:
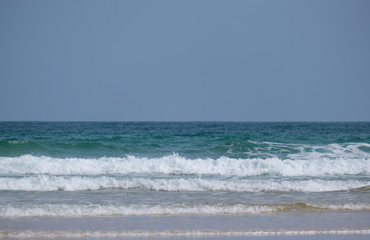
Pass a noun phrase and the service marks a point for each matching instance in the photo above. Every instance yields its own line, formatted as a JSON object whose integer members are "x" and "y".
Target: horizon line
{"x": 197, "y": 121}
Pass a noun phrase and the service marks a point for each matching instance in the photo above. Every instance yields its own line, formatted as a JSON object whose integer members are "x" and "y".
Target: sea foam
{"x": 193, "y": 184}
{"x": 175, "y": 164}
{"x": 95, "y": 210}
{"x": 175, "y": 233}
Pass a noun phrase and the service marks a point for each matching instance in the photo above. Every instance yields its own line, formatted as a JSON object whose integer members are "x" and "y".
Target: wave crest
{"x": 77, "y": 183}
{"x": 94, "y": 210}
{"x": 175, "y": 164}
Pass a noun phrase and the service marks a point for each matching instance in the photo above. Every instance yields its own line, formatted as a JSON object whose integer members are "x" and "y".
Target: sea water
{"x": 128, "y": 170}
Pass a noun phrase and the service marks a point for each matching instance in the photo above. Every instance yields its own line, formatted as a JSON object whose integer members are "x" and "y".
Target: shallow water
{"x": 286, "y": 224}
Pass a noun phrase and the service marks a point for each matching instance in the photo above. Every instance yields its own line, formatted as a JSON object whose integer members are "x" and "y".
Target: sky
{"x": 189, "y": 60}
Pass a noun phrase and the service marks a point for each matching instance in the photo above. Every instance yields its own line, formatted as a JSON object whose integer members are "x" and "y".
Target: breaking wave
{"x": 79, "y": 183}
{"x": 94, "y": 210}
{"x": 177, "y": 165}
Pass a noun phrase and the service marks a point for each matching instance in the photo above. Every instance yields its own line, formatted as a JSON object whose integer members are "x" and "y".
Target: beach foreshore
{"x": 332, "y": 225}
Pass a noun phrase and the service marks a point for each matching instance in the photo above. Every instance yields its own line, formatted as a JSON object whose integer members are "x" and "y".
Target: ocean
{"x": 183, "y": 179}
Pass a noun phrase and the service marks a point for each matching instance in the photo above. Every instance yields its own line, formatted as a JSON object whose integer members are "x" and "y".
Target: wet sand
{"x": 318, "y": 225}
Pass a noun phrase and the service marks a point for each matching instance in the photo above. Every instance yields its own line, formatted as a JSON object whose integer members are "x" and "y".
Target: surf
{"x": 175, "y": 184}
{"x": 178, "y": 165}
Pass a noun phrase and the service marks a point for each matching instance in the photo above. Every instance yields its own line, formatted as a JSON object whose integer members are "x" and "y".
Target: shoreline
{"x": 334, "y": 223}
{"x": 170, "y": 234}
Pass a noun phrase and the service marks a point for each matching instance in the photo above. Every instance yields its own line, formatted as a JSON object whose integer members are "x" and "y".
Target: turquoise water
{"x": 79, "y": 169}
{"x": 191, "y": 140}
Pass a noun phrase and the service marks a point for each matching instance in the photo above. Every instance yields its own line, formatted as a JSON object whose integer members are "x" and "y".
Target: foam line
{"x": 180, "y": 233}
{"x": 94, "y": 210}
{"x": 175, "y": 164}
{"x": 191, "y": 184}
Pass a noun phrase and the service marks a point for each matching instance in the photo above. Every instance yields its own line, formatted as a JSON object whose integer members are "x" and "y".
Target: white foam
{"x": 330, "y": 151}
{"x": 177, "y": 233}
{"x": 93, "y": 210}
{"x": 79, "y": 183}
{"x": 97, "y": 210}
{"x": 174, "y": 164}
{"x": 343, "y": 206}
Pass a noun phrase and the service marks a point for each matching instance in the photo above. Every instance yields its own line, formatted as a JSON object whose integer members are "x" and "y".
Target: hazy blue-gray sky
{"x": 185, "y": 60}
